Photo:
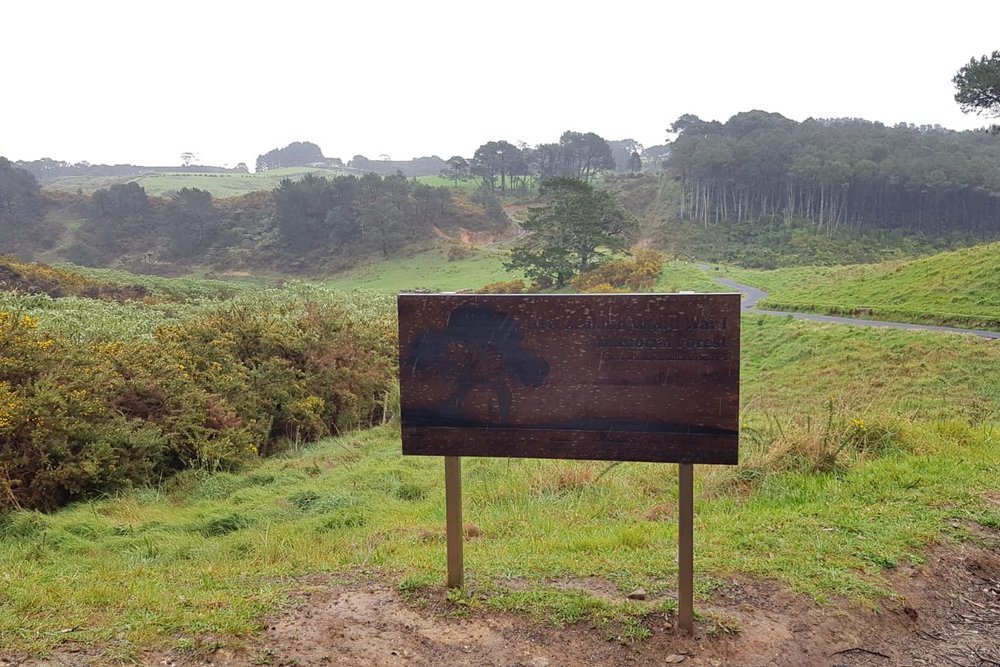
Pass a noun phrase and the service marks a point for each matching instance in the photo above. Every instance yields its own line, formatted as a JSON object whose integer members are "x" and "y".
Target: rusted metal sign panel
{"x": 630, "y": 377}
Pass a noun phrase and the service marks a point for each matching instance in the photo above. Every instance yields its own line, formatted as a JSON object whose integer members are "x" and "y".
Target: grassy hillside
{"x": 426, "y": 269}
{"x": 198, "y": 561}
{"x": 219, "y": 184}
{"x": 960, "y": 288}
{"x": 431, "y": 269}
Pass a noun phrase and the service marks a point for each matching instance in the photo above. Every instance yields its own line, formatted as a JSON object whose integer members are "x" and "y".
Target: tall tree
{"x": 191, "y": 221}
{"x": 634, "y": 163}
{"x": 978, "y": 85}
{"x": 576, "y": 229}
{"x": 498, "y": 160}
{"x": 585, "y": 154}
{"x": 457, "y": 170}
{"x": 20, "y": 201}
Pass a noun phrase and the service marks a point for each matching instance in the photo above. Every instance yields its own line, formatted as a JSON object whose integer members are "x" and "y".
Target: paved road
{"x": 752, "y": 295}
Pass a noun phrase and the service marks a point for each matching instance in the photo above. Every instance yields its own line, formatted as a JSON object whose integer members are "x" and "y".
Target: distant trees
{"x": 421, "y": 166}
{"x": 457, "y": 170}
{"x": 316, "y": 214}
{"x": 504, "y": 167}
{"x": 119, "y": 201}
{"x": 622, "y": 151}
{"x": 576, "y": 229}
{"x": 20, "y": 201}
{"x": 578, "y": 155}
{"x": 500, "y": 165}
{"x": 836, "y": 174}
{"x": 634, "y": 163}
{"x": 296, "y": 154}
{"x": 190, "y": 221}
{"x": 978, "y": 87}
{"x": 186, "y": 158}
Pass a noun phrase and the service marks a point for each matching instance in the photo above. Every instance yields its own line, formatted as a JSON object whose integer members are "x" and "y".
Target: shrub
{"x": 638, "y": 273}
{"x": 212, "y": 391}
{"x": 503, "y": 287}
{"x": 457, "y": 251}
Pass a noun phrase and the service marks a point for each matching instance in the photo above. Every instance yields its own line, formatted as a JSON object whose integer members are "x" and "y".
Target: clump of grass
{"x": 831, "y": 443}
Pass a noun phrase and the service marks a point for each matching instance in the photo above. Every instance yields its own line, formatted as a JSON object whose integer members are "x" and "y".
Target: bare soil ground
{"x": 947, "y": 613}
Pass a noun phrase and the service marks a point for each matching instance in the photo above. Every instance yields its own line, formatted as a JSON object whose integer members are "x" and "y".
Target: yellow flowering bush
{"x": 212, "y": 390}
{"x": 637, "y": 273}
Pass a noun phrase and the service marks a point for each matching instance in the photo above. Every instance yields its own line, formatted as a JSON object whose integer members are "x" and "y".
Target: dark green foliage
{"x": 577, "y": 229}
{"x": 119, "y": 201}
{"x": 578, "y": 155}
{"x": 21, "y": 205}
{"x": 296, "y": 154}
{"x": 978, "y": 87}
{"x": 501, "y": 166}
{"x": 350, "y": 214}
{"x": 634, "y": 163}
{"x": 421, "y": 166}
{"x": 120, "y": 218}
{"x": 190, "y": 221}
{"x": 583, "y": 156}
{"x": 457, "y": 170}
{"x": 837, "y": 174}
{"x": 314, "y": 218}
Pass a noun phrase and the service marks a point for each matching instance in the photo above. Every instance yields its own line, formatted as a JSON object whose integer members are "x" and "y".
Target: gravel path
{"x": 753, "y": 295}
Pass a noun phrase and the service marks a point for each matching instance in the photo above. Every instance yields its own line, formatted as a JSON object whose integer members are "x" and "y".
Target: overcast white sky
{"x": 142, "y": 82}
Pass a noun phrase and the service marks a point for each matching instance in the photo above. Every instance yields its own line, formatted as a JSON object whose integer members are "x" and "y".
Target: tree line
{"x": 839, "y": 173}
{"x": 503, "y": 167}
{"x": 314, "y": 217}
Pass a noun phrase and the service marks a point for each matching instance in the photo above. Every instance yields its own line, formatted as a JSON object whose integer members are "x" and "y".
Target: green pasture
{"x": 959, "y": 288}
{"x": 466, "y": 185}
{"x": 858, "y": 448}
{"x": 427, "y": 268}
{"x": 219, "y": 184}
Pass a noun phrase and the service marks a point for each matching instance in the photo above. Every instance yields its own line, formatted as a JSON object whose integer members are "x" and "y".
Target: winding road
{"x": 752, "y": 295}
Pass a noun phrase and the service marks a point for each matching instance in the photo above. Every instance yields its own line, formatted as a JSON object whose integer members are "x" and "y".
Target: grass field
{"x": 219, "y": 184}
{"x": 862, "y": 445}
{"x": 224, "y": 184}
{"x": 430, "y": 269}
{"x": 468, "y": 185}
{"x": 960, "y": 288}
{"x": 427, "y": 268}
{"x": 859, "y": 447}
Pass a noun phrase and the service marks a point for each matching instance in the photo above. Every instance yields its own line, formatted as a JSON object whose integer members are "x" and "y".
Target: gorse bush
{"x": 31, "y": 277}
{"x": 214, "y": 390}
{"x": 640, "y": 272}
{"x": 503, "y": 287}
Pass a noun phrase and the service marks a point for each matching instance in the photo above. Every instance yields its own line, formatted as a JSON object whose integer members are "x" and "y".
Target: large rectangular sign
{"x": 630, "y": 377}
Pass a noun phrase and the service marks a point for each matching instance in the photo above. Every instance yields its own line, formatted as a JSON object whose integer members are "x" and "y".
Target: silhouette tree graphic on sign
{"x": 479, "y": 348}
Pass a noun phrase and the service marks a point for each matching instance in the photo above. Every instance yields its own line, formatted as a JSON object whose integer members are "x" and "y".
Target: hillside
{"x": 959, "y": 288}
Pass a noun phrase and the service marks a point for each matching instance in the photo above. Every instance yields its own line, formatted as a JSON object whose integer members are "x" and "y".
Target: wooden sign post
{"x": 615, "y": 377}
{"x": 453, "y": 520}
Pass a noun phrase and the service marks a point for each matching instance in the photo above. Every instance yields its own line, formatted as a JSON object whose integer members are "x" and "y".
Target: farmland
{"x": 221, "y": 184}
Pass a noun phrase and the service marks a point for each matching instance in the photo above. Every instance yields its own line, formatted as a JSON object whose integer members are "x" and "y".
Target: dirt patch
{"x": 947, "y": 613}
{"x": 484, "y": 238}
